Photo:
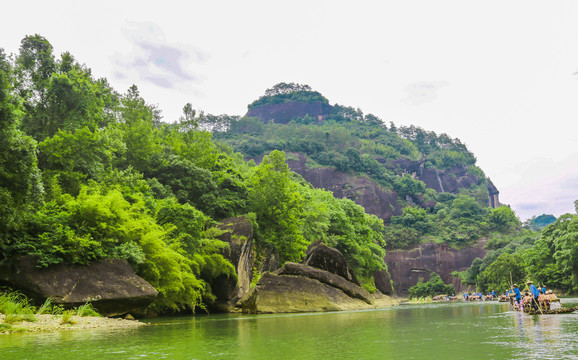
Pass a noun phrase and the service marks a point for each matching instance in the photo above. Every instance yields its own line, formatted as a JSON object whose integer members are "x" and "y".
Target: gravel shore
{"x": 53, "y": 323}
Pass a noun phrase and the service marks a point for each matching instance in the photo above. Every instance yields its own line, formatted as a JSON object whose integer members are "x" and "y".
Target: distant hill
{"x": 537, "y": 223}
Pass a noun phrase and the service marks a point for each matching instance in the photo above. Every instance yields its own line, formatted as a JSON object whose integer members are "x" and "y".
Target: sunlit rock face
{"x": 407, "y": 267}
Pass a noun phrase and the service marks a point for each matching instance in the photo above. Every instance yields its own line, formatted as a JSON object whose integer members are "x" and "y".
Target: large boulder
{"x": 111, "y": 285}
{"x": 289, "y": 293}
{"x": 383, "y": 282}
{"x": 349, "y": 288}
{"x": 300, "y": 288}
{"x": 329, "y": 259}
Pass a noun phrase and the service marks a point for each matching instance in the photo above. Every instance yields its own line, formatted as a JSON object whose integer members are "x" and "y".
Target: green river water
{"x": 481, "y": 330}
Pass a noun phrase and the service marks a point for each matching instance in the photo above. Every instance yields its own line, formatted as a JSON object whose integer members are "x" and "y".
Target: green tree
{"x": 554, "y": 257}
{"x": 502, "y": 273}
{"x": 473, "y": 271}
{"x": 20, "y": 182}
{"x": 503, "y": 219}
{"x": 59, "y": 95}
{"x": 274, "y": 198}
{"x": 466, "y": 207}
{"x": 190, "y": 184}
{"x": 139, "y": 126}
{"x": 408, "y": 186}
{"x": 189, "y": 121}
{"x": 434, "y": 286}
{"x": 542, "y": 266}
{"x": 35, "y": 66}
{"x": 79, "y": 156}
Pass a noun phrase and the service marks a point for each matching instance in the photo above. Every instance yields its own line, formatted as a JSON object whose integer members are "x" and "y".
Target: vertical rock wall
{"x": 407, "y": 267}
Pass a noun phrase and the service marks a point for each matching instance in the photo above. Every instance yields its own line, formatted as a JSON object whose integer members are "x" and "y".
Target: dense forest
{"x": 88, "y": 173}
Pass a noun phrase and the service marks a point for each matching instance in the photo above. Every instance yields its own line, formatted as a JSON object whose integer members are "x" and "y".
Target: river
{"x": 480, "y": 330}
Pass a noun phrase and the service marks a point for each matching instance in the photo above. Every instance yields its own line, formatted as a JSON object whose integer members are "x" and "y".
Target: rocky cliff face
{"x": 383, "y": 202}
{"x": 407, "y": 267}
{"x": 365, "y": 192}
{"x": 443, "y": 180}
{"x": 285, "y": 112}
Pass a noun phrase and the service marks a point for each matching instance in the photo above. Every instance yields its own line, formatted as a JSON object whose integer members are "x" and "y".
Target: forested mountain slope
{"x": 426, "y": 186}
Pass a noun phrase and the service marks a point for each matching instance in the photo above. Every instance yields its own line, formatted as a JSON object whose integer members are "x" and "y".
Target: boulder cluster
{"x": 324, "y": 281}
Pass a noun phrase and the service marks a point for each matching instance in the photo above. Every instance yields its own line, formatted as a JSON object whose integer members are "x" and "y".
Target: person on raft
{"x": 518, "y": 296}
{"x": 535, "y": 295}
{"x": 527, "y": 300}
{"x": 553, "y": 301}
{"x": 543, "y": 301}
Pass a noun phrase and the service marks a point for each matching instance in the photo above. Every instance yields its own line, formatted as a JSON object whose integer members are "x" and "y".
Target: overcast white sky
{"x": 502, "y": 76}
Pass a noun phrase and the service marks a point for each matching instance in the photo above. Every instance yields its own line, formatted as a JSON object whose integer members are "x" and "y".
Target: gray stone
{"x": 111, "y": 285}
{"x": 329, "y": 259}
{"x": 287, "y": 294}
{"x": 326, "y": 277}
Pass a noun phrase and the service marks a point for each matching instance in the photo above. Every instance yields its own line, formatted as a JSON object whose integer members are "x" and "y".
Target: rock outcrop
{"x": 365, "y": 192}
{"x": 407, "y": 267}
{"x": 325, "y": 277}
{"x": 285, "y": 294}
{"x": 285, "y": 112}
{"x": 111, "y": 285}
{"x": 303, "y": 288}
{"x": 383, "y": 282}
{"x": 326, "y": 258}
{"x": 239, "y": 234}
{"x": 383, "y": 203}
{"x": 443, "y": 180}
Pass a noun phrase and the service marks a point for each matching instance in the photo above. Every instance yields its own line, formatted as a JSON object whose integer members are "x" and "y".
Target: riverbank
{"x": 45, "y": 323}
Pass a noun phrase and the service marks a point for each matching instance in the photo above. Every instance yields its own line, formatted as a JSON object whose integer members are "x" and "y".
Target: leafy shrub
{"x": 16, "y": 307}
{"x": 434, "y": 286}
{"x": 86, "y": 310}
{"x": 67, "y": 319}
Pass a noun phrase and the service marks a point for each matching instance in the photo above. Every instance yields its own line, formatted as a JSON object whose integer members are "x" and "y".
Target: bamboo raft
{"x": 553, "y": 312}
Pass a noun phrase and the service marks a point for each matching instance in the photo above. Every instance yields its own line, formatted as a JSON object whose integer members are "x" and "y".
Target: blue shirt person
{"x": 534, "y": 290}
{"x": 535, "y": 293}
{"x": 517, "y": 292}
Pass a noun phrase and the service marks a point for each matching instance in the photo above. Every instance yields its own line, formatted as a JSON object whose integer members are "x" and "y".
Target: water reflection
{"x": 541, "y": 336}
{"x": 458, "y": 330}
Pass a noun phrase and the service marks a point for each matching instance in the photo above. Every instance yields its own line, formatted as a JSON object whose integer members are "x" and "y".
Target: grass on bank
{"x": 17, "y": 308}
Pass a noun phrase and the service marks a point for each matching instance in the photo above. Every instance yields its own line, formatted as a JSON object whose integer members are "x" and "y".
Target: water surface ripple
{"x": 488, "y": 330}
